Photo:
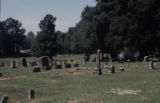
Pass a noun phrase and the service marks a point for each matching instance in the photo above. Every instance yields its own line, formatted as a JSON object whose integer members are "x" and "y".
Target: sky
{"x": 30, "y": 12}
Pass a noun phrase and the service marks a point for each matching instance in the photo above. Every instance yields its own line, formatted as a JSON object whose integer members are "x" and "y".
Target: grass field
{"x": 138, "y": 84}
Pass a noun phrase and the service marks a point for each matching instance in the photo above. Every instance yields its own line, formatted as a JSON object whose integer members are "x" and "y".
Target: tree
{"x": 46, "y": 39}
{"x": 12, "y": 37}
{"x": 29, "y": 40}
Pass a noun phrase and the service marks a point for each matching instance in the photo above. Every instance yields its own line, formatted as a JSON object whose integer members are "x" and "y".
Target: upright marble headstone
{"x": 24, "y": 62}
{"x": 98, "y": 69}
{"x": 44, "y": 62}
{"x": 1, "y": 74}
{"x": 4, "y": 99}
{"x": 99, "y": 62}
{"x": 112, "y": 69}
{"x": 31, "y": 94}
{"x": 151, "y": 65}
{"x": 13, "y": 64}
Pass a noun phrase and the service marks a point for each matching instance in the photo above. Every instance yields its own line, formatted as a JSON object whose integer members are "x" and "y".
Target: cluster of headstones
{"x": 46, "y": 64}
{"x": 23, "y": 63}
{"x": 98, "y": 69}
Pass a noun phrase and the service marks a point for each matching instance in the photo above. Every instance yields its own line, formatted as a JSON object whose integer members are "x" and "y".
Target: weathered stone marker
{"x": 24, "y": 62}
{"x": 36, "y": 69}
{"x": 99, "y": 62}
{"x": 76, "y": 65}
{"x": 44, "y": 62}
{"x": 33, "y": 63}
{"x": 146, "y": 58}
{"x": 31, "y": 94}
{"x": 13, "y": 64}
{"x": 121, "y": 69}
{"x": 1, "y": 74}
{"x": 112, "y": 69}
{"x": 151, "y": 65}
{"x": 58, "y": 66}
{"x": 98, "y": 69}
{"x": 4, "y": 99}
{"x": 67, "y": 66}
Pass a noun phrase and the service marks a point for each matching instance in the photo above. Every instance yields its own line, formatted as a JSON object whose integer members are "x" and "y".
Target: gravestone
{"x": 71, "y": 60}
{"x": 67, "y": 66}
{"x": 121, "y": 69}
{"x": 98, "y": 63}
{"x": 151, "y": 65}
{"x": 146, "y": 58}
{"x": 1, "y": 74}
{"x": 36, "y": 69}
{"x": 24, "y": 62}
{"x": 58, "y": 66}
{"x": 31, "y": 94}
{"x": 112, "y": 69}
{"x": 76, "y": 65}
{"x": 44, "y": 62}
{"x": 4, "y": 99}
{"x": 13, "y": 64}
{"x": 33, "y": 63}
{"x": 47, "y": 67}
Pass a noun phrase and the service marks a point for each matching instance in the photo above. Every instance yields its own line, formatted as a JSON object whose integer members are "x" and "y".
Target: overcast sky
{"x": 30, "y": 12}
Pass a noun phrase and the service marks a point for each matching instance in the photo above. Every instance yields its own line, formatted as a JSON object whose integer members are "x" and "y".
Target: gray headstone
{"x": 151, "y": 65}
{"x": 36, "y": 69}
{"x": 31, "y": 94}
{"x": 13, "y": 64}
{"x": 1, "y": 74}
{"x": 112, "y": 69}
{"x": 33, "y": 63}
{"x": 4, "y": 99}
{"x": 121, "y": 69}
{"x": 24, "y": 62}
{"x": 98, "y": 69}
{"x": 44, "y": 61}
{"x": 68, "y": 66}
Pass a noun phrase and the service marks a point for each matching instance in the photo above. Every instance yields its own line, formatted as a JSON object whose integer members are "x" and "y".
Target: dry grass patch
{"x": 16, "y": 77}
{"x": 36, "y": 100}
{"x": 76, "y": 101}
{"x": 125, "y": 91}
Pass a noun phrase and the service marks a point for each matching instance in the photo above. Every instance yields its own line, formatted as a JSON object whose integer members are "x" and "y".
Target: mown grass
{"x": 82, "y": 86}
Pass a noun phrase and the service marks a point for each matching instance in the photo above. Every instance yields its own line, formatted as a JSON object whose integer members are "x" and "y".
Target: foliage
{"x": 11, "y": 37}
{"x": 46, "y": 39}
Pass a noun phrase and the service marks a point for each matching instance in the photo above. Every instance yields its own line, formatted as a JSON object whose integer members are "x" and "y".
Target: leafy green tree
{"x": 12, "y": 37}
{"x": 29, "y": 40}
{"x": 46, "y": 39}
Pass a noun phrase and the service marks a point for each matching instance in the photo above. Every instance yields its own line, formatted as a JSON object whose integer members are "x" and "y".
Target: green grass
{"x": 72, "y": 86}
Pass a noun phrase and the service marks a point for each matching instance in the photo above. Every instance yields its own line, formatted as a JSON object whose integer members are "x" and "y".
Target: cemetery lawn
{"x": 137, "y": 84}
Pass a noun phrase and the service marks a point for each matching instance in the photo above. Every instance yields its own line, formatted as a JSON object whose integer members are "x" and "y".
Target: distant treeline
{"x": 111, "y": 26}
